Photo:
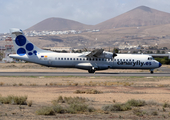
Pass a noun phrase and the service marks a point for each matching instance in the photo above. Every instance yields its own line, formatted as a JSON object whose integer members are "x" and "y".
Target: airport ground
{"x": 41, "y": 90}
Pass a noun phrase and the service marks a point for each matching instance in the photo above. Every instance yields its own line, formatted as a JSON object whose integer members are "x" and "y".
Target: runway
{"x": 81, "y": 74}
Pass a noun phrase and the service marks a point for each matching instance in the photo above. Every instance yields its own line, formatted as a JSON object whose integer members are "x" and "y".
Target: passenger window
{"x": 70, "y": 58}
{"x": 87, "y": 58}
{"x": 99, "y": 59}
{"x": 64, "y": 58}
{"x": 58, "y": 58}
{"x": 80, "y": 58}
{"x": 67, "y": 58}
{"x": 77, "y": 59}
{"x": 123, "y": 59}
{"x": 93, "y": 59}
{"x": 133, "y": 60}
{"x": 130, "y": 60}
{"x": 120, "y": 59}
{"x": 61, "y": 58}
{"x": 96, "y": 59}
{"x": 83, "y": 58}
{"x": 127, "y": 60}
{"x": 74, "y": 59}
{"x": 102, "y": 59}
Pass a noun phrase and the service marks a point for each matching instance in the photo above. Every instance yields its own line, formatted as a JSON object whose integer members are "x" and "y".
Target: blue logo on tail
{"x": 21, "y": 41}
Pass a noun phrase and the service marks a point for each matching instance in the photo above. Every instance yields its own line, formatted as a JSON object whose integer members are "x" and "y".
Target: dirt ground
{"x": 43, "y": 89}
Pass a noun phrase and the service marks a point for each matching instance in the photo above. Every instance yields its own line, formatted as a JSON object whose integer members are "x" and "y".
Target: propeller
{"x": 114, "y": 54}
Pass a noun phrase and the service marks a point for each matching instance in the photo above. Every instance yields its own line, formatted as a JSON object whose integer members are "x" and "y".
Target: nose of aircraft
{"x": 160, "y": 64}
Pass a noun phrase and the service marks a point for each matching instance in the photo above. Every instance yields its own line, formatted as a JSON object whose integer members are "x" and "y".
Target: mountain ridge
{"x": 140, "y": 16}
{"x": 57, "y": 24}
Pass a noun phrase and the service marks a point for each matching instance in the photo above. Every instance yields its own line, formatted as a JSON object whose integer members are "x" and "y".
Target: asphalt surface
{"x": 79, "y": 74}
{"x": 163, "y": 71}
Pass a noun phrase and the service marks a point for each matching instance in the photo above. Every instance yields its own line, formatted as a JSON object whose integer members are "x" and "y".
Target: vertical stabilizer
{"x": 22, "y": 45}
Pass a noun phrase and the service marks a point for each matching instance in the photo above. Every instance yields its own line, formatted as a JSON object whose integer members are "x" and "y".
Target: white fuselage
{"x": 81, "y": 61}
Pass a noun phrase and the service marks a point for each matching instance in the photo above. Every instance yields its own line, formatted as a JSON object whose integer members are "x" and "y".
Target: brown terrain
{"x": 42, "y": 90}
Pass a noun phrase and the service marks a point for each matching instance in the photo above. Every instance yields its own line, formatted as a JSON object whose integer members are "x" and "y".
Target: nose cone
{"x": 160, "y": 64}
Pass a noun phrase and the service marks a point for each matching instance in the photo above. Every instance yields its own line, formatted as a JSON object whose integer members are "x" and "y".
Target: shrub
{"x": 154, "y": 113}
{"x": 117, "y": 107}
{"x": 29, "y": 103}
{"x": 166, "y": 105}
{"x": 79, "y": 92}
{"x": 58, "y": 109}
{"x": 136, "y": 103}
{"x": 21, "y": 100}
{"x": 79, "y": 108}
{"x": 20, "y": 84}
{"x": 69, "y": 100}
{"x": 90, "y": 109}
{"x": 34, "y": 84}
{"x": 45, "y": 111}
{"x": 138, "y": 112}
{"x": 74, "y": 105}
{"x": 88, "y": 91}
{"x": 1, "y": 83}
{"x": 60, "y": 99}
{"x": 14, "y": 84}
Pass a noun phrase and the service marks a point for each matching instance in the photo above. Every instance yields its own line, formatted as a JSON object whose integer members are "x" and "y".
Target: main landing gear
{"x": 91, "y": 71}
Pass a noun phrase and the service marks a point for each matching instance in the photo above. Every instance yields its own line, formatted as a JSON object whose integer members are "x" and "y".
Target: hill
{"x": 58, "y": 24}
{"x": 140, "y": 16}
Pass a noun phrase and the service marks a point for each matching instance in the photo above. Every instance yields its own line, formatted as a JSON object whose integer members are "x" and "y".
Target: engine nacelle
{"x": 107, "y": 55}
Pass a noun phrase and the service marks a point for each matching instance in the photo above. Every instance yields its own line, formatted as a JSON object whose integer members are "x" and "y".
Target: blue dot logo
{"x": 29, "y": 46}
{"x": 35, "y": 52}
{"x": 20, "y": 40}
{"x": 21, "y": 51}
{"x": 30, "y": 53}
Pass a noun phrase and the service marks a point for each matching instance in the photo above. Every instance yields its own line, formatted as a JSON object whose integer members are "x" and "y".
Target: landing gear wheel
{"x": 151, "y": 72}
{"x": 91, "y": 71}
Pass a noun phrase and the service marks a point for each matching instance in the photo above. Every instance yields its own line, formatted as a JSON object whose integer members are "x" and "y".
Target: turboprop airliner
{"x": 95, "y": 60}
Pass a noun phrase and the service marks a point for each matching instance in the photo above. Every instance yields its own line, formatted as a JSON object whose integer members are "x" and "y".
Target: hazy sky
{"x": 26, "y": 13}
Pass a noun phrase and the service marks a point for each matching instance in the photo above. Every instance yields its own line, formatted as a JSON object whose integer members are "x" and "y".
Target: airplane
{"x": 95, "y": 60}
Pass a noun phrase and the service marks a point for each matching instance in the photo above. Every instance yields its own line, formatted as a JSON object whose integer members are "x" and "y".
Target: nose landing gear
{"x": 151, "y": 71}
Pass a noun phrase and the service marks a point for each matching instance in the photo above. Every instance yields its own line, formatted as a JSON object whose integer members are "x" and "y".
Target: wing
{"x": 95, "y": 53}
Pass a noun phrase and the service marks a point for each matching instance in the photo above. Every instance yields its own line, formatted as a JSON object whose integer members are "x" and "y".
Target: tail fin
{"x": 22, "y": 45}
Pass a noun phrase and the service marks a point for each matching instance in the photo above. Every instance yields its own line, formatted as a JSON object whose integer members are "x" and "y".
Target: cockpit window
{"x": 150, "y": 58}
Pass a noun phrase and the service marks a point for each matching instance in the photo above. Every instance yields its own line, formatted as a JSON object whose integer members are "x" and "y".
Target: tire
{"x": 91, "y": 71}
